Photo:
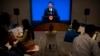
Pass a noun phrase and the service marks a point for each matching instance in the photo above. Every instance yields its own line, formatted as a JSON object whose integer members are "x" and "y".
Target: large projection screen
{"x": 63, "y": 8}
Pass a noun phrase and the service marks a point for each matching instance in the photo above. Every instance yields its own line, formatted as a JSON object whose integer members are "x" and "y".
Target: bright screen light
{"x": 62, "y": 7}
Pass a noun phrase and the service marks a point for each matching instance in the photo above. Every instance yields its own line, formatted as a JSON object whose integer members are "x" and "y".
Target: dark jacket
{"x": 48, "y": 13}
{"x": 5, "y": 52}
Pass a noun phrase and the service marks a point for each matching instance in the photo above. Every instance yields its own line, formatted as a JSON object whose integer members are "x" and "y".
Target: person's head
{"x": 4, "y": 19}
{"x": 75, "y": 25}
{"x": 3, "y": 36}
{"x": 51, "y": 27}
{"x": 50, "y": 5}
{"x": 25, "y": 23}
{"x": 98, "y": 29}
{"x": 90, "y": 29}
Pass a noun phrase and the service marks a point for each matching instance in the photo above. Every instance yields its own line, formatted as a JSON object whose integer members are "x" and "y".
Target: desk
{"x": 57, "y": 27}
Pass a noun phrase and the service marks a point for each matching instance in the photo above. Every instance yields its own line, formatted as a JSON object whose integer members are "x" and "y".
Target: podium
{"x": 46, "y": 19}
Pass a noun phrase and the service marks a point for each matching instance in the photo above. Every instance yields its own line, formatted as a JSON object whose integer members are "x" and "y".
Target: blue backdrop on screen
{"x": 62, "y": 7}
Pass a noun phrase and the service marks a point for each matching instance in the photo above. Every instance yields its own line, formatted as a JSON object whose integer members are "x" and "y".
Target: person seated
{"x": 84, "y": 45}
{"x": 51, "y": 37}
{"x": 5, "y": 37}
{"x": 98, "y": 35}
{"x": 72, "y": 33}
{"x": 27, "y": 41}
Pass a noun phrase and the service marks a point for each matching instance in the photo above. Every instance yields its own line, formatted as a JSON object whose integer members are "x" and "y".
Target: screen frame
{"x": 36, "y": 23}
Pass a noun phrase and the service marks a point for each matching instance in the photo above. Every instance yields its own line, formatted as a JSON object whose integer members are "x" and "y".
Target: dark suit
{"x": 48, "y": 13}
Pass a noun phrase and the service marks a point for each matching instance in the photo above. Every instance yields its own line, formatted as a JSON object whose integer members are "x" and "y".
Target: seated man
{"x": 72, "y": 33}
{"x": 84, "y": 45}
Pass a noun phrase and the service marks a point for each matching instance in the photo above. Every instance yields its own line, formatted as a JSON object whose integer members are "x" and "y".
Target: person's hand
{"x": 50, "y": 17}
{"x": 19, "y": 35}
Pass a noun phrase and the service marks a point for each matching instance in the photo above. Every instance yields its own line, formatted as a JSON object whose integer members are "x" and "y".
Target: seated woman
{"x": 27, "y": 41}
{"x": 51, "y": 37}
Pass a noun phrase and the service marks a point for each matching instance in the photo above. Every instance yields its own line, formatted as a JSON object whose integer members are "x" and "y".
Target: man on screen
{"x": 50, "y": 13}
{"x": 50, "y": 10}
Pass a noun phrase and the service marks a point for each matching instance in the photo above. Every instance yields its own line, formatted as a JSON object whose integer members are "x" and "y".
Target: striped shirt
{"x": 70, "y": 35}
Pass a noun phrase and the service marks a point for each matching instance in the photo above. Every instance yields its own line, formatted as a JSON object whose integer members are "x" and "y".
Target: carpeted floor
{"x": 60, "y": 49}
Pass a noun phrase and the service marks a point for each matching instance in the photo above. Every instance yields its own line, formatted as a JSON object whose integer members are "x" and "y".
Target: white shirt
{"x": 84, "y": 45}
{"x": 51, "y": 37}
{"x": 50, "y": 9}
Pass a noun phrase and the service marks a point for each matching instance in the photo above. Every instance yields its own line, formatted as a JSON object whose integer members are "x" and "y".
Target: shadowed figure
{"x": 51, "y": 37}
{"x": 84, "y": 45}
{"x": 27, "y": 41}
{"x": 72, "y": 33}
